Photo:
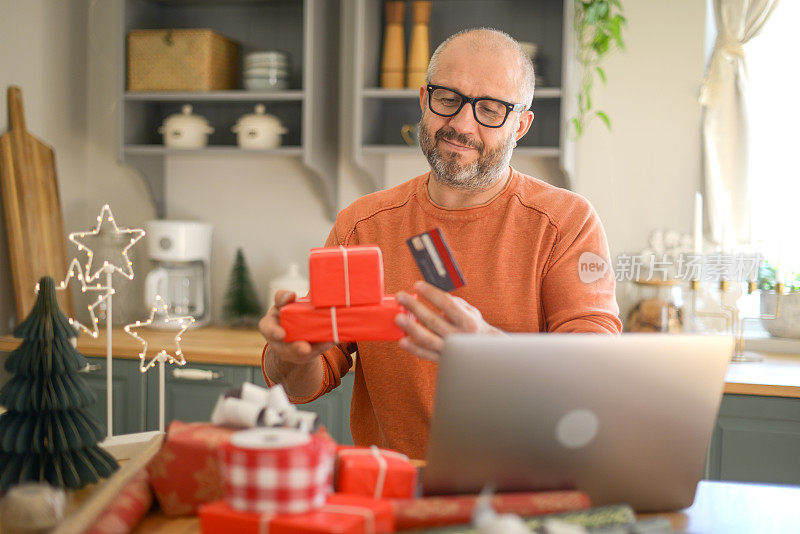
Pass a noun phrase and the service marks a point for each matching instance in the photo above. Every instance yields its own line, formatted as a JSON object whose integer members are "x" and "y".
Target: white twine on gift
{"x": 382, "y": 465}
{"x": 346, "y": 278}
{"x": 334, "y": 326}
{"x": 366, "y": 513}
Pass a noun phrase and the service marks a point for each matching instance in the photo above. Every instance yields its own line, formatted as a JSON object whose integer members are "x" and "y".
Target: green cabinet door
{"x": 128, "y": 395}
{"x": 333, "y": 408}
{"x": 191, "y": 390}
{"x": 756, "y": 439}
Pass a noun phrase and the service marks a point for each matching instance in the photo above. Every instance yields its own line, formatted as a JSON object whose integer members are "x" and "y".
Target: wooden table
{"x": 719, "y": 507}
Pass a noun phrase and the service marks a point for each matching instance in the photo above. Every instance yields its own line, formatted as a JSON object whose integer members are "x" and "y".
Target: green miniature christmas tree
{"x": 242, "y": 307}
{"x": 47, "y": 434}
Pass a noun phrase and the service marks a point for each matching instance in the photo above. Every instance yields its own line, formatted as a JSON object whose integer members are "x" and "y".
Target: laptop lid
{"x": 626, "y": 419}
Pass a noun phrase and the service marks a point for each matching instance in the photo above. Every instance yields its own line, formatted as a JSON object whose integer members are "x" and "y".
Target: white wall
{"x": 643, "y": 174}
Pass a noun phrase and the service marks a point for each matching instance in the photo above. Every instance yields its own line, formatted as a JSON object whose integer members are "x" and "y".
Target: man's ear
{"x": 525, "y": 121}
{"x": 422, "y": 95}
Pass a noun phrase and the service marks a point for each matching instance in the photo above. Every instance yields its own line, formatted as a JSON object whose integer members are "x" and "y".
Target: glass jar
{"x": 658, "y": 308}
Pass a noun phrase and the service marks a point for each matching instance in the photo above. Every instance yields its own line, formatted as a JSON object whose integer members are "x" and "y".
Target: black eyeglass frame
{"x": 465, "y": 99}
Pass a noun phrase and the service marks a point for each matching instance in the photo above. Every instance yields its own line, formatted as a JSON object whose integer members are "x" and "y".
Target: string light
{"x": 163, "y": 355}
{"x": 79, "y": 239}
{"x": 75, "y": 271}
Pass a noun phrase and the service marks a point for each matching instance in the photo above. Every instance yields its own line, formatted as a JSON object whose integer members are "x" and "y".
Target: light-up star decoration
{"x": 163, "y": 354}
{"x": 79, "y": 238}
{"x": 75, "y": 271}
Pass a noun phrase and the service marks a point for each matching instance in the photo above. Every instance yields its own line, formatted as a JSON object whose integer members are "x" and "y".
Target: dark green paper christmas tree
{"x": 47, "y": 434}
{"x": 242, "y": 307}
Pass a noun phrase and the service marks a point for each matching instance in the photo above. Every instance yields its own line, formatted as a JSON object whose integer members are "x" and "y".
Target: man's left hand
{"x": 425, "y": 336}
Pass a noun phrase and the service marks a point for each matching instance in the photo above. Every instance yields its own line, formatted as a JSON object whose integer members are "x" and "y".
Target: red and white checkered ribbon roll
{"x": 277, "y": 470}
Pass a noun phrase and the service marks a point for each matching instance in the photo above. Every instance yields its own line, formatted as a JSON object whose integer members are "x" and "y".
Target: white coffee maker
{"x": 181, "y": 251}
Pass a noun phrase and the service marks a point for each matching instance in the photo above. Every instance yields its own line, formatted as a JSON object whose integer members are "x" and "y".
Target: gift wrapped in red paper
{"x": 128, "y": 508}
{"x": 302, "y": 321}
{"x": 342, "y": 514}
{"x": 374, "y": 472}
{"x": 457, "y": 510}
{"x": 186, "y": 471}
{"x": 345, "y": 276}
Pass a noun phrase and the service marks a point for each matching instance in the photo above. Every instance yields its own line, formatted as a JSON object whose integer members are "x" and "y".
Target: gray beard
{"x": 478, "y": 175}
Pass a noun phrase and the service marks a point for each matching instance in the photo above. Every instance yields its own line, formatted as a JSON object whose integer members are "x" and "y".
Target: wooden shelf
{"x": 377, "y": 92}
{"x": 213, "y": 96}
{"x": 159, "y": 150}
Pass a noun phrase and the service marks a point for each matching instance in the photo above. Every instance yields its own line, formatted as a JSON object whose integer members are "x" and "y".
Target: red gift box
{"x": 457, "y": 510}
{"x": 374, "y": 472}
{"x": 304, "y": 322}
{"x": 345, "y": 276}
{"x": 343, "y": 514}
{"x": 185, "y": 472}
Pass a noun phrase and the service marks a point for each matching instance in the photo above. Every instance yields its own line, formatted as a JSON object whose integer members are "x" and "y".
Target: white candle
{"x": 725, "y": 245}
{"x": 698, "y": 223}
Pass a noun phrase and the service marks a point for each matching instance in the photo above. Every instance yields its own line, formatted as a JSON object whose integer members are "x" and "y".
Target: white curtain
{"x": 725, "y": 143}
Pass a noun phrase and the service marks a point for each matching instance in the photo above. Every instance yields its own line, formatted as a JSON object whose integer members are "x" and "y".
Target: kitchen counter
{"x": 778, "y": 375}
{"x": 211, "y": 344}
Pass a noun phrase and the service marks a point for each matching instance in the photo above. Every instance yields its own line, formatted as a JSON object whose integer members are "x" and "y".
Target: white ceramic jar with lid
{"x": 259, "y": 130}
{"x": 185, "y": 130}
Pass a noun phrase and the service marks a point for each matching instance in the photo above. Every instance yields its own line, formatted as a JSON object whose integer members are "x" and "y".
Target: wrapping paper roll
{"x": 277, "y": 470}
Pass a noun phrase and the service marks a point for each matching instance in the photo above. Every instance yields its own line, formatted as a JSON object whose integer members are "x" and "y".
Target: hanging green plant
{"x": 598, "y": 28}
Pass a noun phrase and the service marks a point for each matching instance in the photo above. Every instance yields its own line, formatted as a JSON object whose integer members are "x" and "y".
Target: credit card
{"x": 435, "y": 261}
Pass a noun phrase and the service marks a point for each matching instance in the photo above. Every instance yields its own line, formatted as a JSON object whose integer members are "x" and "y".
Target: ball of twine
{"x": 31, "y": 508}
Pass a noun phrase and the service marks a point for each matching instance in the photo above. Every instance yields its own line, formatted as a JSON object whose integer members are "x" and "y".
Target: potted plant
{"x": 788, "y": 323}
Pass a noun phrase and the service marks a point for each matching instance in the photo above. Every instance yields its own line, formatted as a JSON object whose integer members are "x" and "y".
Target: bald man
{"x": 517, "y": 239}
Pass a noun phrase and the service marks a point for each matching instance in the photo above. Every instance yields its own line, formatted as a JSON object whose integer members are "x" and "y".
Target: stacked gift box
{"x": 346, "y": 301}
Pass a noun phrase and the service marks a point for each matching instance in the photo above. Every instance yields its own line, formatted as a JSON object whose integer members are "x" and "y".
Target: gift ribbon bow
{"x": 382, "y": 465}
{"x": 347, "y": 509}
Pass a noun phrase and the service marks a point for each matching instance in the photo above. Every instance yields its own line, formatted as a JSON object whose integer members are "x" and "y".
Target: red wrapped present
{"x": 457, "y": 510}
{"x": 128, "y": 508}
{"x": 304, "y": 322}
{"x": 278, "y": 470}
{"x": 343, "y": 514}
{"x": 345, "y": 276}
{"x": 374, "y": 472}
{"x": 186, "y": 471}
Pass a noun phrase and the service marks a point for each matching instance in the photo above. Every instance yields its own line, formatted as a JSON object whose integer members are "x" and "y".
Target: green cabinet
{"x": 333, "y": 408}
{"x": 129, "y": 393}
{"x": 191, "y": 390}
{"x": 756, "y": 439}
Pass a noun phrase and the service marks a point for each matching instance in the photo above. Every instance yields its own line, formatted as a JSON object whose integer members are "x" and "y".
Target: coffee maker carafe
{"x": 181, "y": 251}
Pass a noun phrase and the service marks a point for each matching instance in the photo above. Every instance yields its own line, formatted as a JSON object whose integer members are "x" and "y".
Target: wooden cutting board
{"x": 32, "y": 207}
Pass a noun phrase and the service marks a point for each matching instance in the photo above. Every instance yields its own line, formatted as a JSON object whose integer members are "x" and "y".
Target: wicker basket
{"x": 181, "y": 60}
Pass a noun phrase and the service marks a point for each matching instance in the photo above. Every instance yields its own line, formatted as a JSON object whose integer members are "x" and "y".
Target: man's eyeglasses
{"x": 489, "y": 112}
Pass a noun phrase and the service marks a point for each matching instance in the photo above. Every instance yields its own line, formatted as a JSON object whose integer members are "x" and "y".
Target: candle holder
{"x": 739, "y": 354}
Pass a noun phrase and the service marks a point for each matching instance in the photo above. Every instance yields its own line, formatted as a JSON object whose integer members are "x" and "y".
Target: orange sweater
{"x": 519, "y": 256}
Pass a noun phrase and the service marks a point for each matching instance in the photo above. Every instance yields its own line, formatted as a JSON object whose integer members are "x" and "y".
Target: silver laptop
{"x": 626, "y": 419}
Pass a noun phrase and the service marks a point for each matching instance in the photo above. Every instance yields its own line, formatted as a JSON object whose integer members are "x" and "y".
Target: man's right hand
{"x": 295, "y": 352}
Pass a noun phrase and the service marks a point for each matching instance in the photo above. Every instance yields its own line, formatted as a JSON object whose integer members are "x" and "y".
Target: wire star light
{"x": 79, "y": 237}
{"x": 163, "y": 355}
{"x": 76, "y": 271}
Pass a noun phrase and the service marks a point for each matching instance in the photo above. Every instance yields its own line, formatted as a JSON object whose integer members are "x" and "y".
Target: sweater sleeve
{"x": 578, "y": 286}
